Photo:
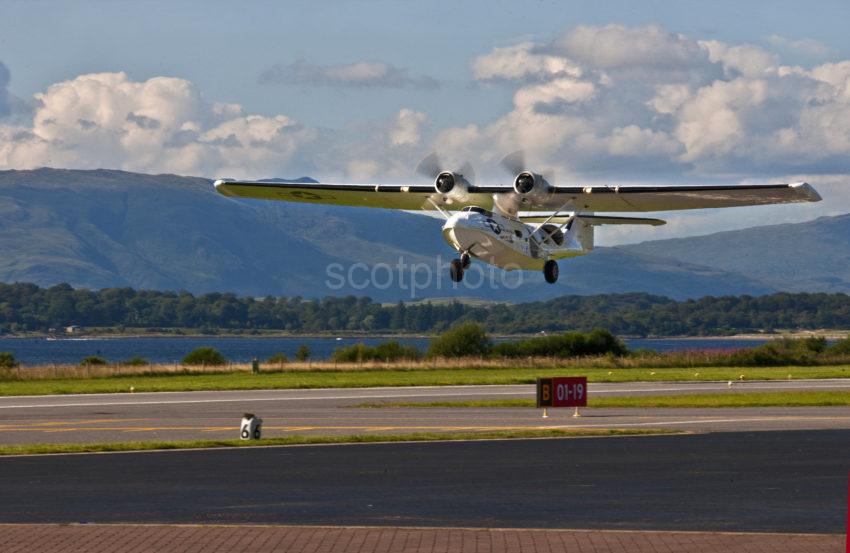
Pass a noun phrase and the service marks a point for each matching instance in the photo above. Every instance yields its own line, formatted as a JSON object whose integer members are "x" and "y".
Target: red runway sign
{"x": 568, "y": 391}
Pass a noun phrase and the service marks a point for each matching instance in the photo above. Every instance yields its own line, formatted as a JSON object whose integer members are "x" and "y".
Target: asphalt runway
{"x": 790, "y": 481}
{"x": 216, "y": 415}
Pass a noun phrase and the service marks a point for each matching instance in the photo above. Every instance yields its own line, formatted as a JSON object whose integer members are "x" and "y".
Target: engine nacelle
{"x": 531, "y": 187}
{"x": 452, "y": 186}
{"x": 550, "y": 234}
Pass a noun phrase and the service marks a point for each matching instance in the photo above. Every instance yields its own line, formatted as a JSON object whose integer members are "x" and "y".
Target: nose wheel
{"x": 550, "y": 271}
{"x": 465, "y": 260}
{"x": 456, "y": 270}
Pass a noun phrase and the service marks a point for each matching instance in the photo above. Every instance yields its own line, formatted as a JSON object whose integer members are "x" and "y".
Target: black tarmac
{"x": 785, "y": 481}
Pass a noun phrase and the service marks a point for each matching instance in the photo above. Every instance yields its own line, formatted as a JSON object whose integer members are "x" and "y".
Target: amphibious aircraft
{"x": 528, "y": 224}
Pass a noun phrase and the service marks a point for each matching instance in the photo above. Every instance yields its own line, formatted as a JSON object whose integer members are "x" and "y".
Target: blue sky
{"x": 613, "y": 92}
{"x": 223, "y": 46}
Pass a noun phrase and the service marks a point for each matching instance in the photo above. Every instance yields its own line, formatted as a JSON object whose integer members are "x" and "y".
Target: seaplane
{"x": 528, "y": 224}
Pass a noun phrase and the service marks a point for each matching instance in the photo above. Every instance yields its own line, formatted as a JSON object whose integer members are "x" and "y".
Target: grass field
{"x": 391, "y": 377}
{"x": 729, "y": 399}
{"x": 41, "y": 449}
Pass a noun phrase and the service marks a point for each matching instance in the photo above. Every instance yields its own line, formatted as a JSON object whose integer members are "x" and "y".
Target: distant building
{"x": 73, "y": 329}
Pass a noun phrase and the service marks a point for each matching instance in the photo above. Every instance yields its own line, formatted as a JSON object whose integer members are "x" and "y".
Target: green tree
{"x": 7, "y": 360}
{"x": 278, "y": 358}
{"x": 204, "y": 356}
{"x": 841, "y": 347}
{"x": 303, "y": 353}
{"x": 386, "y": 351}
{"x": 463, "y": 340}
{"x": 93, "y": 360}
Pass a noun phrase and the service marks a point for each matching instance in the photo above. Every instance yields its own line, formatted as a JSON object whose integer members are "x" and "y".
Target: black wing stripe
{"x": 336, "y": 187}
{"x": 665, "y": 189}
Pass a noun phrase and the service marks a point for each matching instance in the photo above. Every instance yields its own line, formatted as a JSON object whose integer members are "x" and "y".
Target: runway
{"x": 737, "y": 470}
{"x": 215, "y": 415}
{"x": 793, "y": 481}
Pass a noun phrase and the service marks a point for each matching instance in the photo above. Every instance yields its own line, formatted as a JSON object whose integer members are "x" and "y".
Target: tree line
{"x": 28, "y": 307}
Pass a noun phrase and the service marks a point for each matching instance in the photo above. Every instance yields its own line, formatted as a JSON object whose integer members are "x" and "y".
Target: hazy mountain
{"x": 801, "y": 257}
{"x": 112, "y": 228}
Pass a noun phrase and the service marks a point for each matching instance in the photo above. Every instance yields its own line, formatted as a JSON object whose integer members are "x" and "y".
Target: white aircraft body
{"x": 529, "y": 224}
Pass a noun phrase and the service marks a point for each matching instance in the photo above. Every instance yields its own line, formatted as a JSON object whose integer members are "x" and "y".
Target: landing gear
{"x": 456, "y": 270}
{"x": 465, "y": 260}
{"x": 550, "y": 271}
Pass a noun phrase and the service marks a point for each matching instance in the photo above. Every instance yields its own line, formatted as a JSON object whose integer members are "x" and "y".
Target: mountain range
{"x": 108, "y": 228}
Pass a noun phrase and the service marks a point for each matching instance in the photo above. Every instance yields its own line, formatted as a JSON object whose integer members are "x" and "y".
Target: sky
{"x": 595, "y": 92}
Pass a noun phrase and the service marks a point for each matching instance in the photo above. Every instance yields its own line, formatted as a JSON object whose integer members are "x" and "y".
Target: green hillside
{"x": 108, "y": 228}
{"x": 801, "y": 257}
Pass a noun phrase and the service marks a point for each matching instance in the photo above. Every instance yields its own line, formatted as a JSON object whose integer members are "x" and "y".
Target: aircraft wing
{"x": 669, "y": 198}
{"x": 408, "y": 197}
{"x": 589, "y": 198}
{"x": 594, "y": 220}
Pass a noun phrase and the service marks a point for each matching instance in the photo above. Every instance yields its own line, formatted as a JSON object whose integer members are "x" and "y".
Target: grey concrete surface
{"x": 215, "y": 415}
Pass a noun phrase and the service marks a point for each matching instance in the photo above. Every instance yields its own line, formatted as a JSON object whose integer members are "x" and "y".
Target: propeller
{"x": 467, "y": 171}
{"x": 431, "y": 167}
{"x": 514, "y": 163}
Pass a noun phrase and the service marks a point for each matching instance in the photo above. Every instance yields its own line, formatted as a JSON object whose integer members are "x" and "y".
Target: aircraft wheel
{"x": 550, "y": 271}
{"x": 456, "y": 270}
{"x": 465, "y": 260}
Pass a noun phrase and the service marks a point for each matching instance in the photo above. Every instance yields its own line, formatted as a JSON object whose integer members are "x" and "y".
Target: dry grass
{"x": 679, "y": 360}
{"x": 50, "y": 372}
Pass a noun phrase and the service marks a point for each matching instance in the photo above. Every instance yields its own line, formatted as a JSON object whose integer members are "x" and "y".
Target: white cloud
{"x": 407, "y": 130}
{"x": 362, "y": 74}
{"x": 635, "y": 141}
{"x": 159, "y": 125}
{"x": 710, "y": 122}
{"x": 618, "y": 46}
{"x": 608, "y": 104}
{"x": 806, "y": 46}
{"x": 644, "y": 101}
{"x": 744, "y": 59}
{"x": 522, "y": 62}
{"x": 558, "y": 91}
{"x": 669, "y": 97}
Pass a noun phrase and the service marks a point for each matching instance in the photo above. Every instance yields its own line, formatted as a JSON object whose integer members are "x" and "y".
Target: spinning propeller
{"x": 433, "y": 168}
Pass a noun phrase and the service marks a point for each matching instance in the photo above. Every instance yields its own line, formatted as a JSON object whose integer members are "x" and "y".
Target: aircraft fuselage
{"x": 505, "y": 242}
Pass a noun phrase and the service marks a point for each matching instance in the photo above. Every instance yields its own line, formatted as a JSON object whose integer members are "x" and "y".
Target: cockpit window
{"x": 476, "y": 209}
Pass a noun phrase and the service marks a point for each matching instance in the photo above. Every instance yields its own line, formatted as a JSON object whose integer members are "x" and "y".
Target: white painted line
{"x": 130, "y": 401}
{"x": 279, "y": 390}
{"x": 796, "y": 383}
{"x": 698, "y": 421}
{"x": 243, "y": 399}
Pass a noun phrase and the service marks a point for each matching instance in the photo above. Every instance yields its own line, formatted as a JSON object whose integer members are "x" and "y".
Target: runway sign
{"x": 566, "y": 391}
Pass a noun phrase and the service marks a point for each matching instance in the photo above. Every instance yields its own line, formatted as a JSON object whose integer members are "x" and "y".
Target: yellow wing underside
{"x": 590, "y": 199}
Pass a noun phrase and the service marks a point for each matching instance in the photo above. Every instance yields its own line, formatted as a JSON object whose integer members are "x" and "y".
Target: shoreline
{"x": 828, "y": 334}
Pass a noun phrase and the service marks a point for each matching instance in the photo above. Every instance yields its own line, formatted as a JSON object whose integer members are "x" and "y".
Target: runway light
{"x": 652, "y": 373}
{"x": 132, "y": 389}
{"x": 729, "y": 384}
{"x": 696, "y": 374}
{"x": 741, "y": 377}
